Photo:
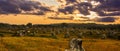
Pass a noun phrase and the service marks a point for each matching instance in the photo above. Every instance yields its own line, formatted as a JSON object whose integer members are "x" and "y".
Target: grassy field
{"x": 49, "y": 44}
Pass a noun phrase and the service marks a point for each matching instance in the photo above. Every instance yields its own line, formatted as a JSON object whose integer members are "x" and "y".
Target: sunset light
{"x": 59, "y": 25}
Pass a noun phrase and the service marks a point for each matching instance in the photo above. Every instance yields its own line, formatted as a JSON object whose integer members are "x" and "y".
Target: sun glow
{"x": 92, "y": 15}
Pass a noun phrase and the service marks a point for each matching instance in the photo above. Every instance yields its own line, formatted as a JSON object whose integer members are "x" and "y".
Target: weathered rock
{"x": 75, "y": 45}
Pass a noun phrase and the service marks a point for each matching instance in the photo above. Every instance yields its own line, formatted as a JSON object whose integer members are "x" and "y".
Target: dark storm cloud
{"x": 106, "y": 19}
{"x": 107, "y": 5}
{"x": 15, "y": 6}
{"x": 7, "y": 6}
{"x": 102, "y": 9}
{"x": 68, "y": 9}
{"x": 83, "y": 7}
{"x": 70, "y": 1}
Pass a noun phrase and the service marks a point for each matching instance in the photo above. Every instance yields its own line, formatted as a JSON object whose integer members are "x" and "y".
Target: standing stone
{"x": 104, "y": 36}
{"x": 80, "y": 35}
{"x": 75, "y": 45}
{"x": 67, "y": 35}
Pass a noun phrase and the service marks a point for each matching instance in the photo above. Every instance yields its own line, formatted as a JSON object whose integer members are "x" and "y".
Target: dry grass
{"x": 48, "y": 44}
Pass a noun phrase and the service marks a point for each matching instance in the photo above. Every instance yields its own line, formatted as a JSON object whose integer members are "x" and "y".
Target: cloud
{"x": 17, "y": 6}
{"x": 7, "y": 6}
{"x": 103, "y": 8}
{"x": 82, "y": 7}
{"x": 107, "y": 6}
{"x": 106, "y": 19}
{"x": 67, "y": 10}
{"x": 85, "y": 7}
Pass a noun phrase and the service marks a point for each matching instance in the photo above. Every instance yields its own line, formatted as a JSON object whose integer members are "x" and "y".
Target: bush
{"x": 1, "y": 35}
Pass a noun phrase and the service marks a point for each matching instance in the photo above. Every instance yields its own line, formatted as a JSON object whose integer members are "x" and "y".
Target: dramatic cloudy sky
{"x": 67, "y": 7}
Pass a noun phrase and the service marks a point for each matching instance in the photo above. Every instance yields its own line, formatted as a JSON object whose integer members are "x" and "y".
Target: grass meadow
{"x": 50, "y": 44}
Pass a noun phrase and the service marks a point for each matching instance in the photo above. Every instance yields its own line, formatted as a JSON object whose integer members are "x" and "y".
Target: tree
{"x": 29, "y": 25}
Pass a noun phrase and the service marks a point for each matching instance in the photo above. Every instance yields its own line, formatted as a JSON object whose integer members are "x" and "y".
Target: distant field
{"x": 49, "y": 44}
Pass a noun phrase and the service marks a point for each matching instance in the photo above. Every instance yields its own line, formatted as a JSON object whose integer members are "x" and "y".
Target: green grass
{"x": 49, "y": 44}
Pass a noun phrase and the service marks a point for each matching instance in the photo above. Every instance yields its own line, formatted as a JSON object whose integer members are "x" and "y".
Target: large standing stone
{"x": 76, "y": 45}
